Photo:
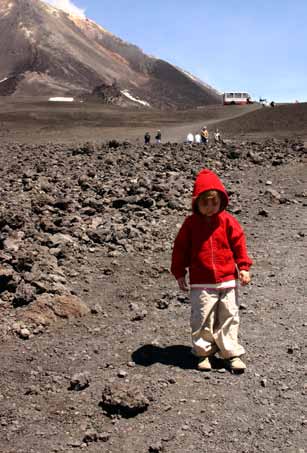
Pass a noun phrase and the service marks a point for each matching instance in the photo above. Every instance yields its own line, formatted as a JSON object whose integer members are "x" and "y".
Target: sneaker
{"x": 204, "y": 364}
{"x": 236, "y": 364}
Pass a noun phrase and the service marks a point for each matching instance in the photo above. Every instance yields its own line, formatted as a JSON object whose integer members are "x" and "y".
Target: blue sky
{"x": 258, "y": 46}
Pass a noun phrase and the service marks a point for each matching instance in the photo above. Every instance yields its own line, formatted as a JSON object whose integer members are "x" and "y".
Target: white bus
{"x": 238, "y": 98}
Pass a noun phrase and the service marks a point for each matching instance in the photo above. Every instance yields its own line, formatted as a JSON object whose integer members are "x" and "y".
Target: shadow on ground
{"x": 177, "y": 355}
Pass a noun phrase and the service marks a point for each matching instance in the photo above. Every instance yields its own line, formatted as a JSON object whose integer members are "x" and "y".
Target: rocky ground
{"x": 95, "y": 348}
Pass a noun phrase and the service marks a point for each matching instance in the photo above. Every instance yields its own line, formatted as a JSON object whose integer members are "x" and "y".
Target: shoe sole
{"x": 207, "y": 368}
{"x": 204, "y": 369}
{"x": 238, "y": 369}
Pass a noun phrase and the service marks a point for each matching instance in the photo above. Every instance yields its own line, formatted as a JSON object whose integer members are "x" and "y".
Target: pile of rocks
{"x": 58, "y": 202}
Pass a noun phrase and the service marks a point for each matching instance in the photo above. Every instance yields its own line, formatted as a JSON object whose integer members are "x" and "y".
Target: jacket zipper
{"x": 212, "y": 258}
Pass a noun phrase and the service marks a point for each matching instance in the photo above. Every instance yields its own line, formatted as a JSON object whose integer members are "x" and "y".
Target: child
{"x": 211, "y": 245}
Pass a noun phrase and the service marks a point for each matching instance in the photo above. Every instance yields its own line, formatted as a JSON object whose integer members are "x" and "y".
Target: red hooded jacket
{"x": 210, "y": 247}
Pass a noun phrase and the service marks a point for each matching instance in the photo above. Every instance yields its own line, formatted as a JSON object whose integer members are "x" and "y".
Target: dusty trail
{"x": 40, "y": 122}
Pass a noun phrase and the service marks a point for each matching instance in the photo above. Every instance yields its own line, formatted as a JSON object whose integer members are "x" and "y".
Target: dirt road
{"x": 42, "y": 122}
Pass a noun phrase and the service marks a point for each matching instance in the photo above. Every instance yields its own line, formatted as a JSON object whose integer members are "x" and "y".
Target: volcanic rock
{"x": 124, "y": 400}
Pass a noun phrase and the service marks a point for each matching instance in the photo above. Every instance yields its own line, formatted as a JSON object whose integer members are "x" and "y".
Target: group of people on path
{"x": 203, "y": 137}
{"x": 147, "y": 137}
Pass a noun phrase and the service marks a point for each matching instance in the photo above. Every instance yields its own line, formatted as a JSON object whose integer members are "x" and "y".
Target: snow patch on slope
{"x": 68, "y": 7}
{"x": 28, "y": 33}
{"x": 61, "y": 99}
{"x": 128, "y": 95}
{"x": 5, "y": 9}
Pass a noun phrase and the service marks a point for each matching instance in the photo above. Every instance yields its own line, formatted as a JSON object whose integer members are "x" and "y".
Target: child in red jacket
{"x": 211, "y": 246}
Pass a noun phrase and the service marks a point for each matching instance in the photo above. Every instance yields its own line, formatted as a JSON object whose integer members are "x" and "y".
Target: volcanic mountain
{"x": 45, "y": 51}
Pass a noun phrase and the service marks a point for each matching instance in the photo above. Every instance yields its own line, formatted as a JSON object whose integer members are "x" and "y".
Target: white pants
{"x": 215, "y": 322}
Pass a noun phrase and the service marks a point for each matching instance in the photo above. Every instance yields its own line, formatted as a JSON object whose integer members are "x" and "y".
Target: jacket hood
{"x": 207, "y": 180}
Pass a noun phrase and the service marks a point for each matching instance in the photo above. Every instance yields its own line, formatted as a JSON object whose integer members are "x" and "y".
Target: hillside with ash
{"x": 47, "y": 52}
{"x": 284, "y": 120}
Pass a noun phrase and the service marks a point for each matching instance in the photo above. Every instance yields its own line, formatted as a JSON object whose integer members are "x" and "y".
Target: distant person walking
{"x": 158, "y": 136}
{"x": 190, "y": 138}
{"x": 198, "y": 139}
{"x": 147, "y": 138}
{"x": 263, "y": 102}
{"x": 204, "y": 135}
{"x": 217, "y": 136}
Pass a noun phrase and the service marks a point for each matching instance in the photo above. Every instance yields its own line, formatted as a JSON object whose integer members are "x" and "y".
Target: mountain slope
{"x": 46, "y": 51}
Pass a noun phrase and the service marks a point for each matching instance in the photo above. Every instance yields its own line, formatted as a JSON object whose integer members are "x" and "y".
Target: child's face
{"x": 209, "y": 206}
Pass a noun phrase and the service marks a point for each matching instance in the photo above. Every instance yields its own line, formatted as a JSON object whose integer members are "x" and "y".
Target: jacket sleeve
{"x": 237, "y": 242}
{"x": 182, "y": 251}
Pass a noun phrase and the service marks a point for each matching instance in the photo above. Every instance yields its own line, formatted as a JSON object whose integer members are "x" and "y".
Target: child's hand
{"x": 182, "y": 283}
{"x": 244, "y": 277}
